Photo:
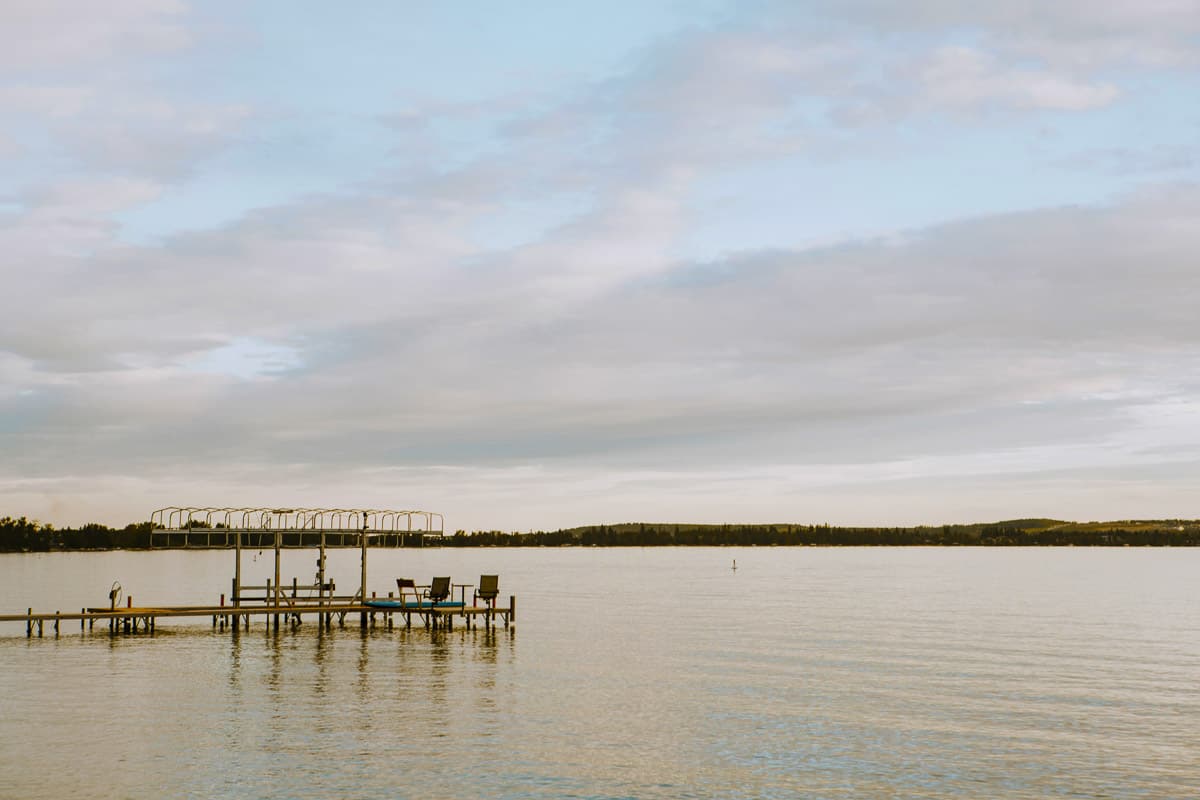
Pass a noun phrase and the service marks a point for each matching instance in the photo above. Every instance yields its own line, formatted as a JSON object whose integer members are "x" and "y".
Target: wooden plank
{"x": 265, "y": 610}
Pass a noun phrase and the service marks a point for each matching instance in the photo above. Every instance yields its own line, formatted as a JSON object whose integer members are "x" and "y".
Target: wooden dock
{"x": 288, "y": 528}
{"x": 132, "y": 620}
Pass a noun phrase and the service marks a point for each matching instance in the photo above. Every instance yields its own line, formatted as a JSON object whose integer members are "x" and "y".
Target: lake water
{"x": 632, "y": 673}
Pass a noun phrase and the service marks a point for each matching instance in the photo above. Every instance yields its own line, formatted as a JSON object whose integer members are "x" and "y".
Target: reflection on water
{"x": 640, "y": 673}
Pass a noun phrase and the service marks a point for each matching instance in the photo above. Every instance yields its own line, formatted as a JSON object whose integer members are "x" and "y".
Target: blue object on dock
{"x": 411, "y": 605}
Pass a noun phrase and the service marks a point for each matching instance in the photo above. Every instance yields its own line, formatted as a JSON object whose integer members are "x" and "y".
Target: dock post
{"x": 363, "y": 565}
{"x": 512, "y": 611}
{"x": 273, "y": 599}
{"x": 235, "y": 595}
{"x": 56, "y": 614}
{"x": 321, "y": 572}
{"x": 81, "y": 612}
{"x": 29, "y": 624}
{"x": 278, "y": 544}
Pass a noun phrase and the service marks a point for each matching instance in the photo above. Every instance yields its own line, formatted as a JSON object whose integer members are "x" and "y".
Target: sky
{"x": 542, "y": 264}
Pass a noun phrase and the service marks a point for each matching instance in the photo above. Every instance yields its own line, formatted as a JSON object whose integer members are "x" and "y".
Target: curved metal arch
{"x": 376, "y": 521}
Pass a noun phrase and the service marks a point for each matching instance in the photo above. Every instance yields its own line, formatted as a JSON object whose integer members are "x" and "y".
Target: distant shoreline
{"x": 20, "y": 535}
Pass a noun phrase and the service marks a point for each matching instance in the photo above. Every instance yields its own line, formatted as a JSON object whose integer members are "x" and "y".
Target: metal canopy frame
{"x": 214, "y": 527}
{"x": 289, "y": 528}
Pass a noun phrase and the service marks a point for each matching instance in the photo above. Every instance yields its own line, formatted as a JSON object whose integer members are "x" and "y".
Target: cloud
{"x": 1071, "y": 34}
{"x": 728, "y": 96}
{"x": 82, "y": 94}
{"x": 786, "y": 357}
{"x": 958, "y": 77}
{"x": 110, "y": 129}
{"x": 1132, "y": 160}
{"x": 514, "y": 305}
{"x": 51, "y": 34}
{"x": 46, "y": 101}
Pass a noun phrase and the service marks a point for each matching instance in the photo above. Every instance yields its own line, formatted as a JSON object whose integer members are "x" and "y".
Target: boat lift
{"x": 199, "y": 527}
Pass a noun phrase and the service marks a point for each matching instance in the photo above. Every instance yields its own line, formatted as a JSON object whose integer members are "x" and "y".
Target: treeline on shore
{"x": 24, "y": 535}
{"x": 1023, "y": 532}
{"x": 21, "y": 535}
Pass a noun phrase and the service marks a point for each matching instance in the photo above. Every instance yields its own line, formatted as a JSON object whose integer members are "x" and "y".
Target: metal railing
{"x": 220, "y": 527}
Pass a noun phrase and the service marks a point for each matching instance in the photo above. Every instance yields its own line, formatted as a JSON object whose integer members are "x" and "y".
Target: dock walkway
{"x": 143, "y": 619}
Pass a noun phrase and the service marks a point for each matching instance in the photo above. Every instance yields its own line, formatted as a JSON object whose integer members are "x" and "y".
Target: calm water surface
{"x": 639, "y": 673}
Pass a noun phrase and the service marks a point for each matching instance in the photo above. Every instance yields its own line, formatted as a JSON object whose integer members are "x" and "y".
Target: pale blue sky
{"x": 541, "y": 264}
{"x": 321, "y": 85}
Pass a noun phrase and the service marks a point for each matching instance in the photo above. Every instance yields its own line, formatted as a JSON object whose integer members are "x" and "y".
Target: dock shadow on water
{"x": 646, "y": 673}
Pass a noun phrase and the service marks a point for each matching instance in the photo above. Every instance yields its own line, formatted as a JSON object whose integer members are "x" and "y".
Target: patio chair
{"x": 438, "y": 591}
{"x": 489, "y": 588}
{"x": 406, "y": 585}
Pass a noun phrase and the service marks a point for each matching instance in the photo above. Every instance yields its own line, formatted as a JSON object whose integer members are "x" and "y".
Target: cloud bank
{"x": 701, "y": 285}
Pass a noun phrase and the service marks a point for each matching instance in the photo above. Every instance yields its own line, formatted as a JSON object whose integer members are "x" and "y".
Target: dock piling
{"x": 145, "y": 620}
